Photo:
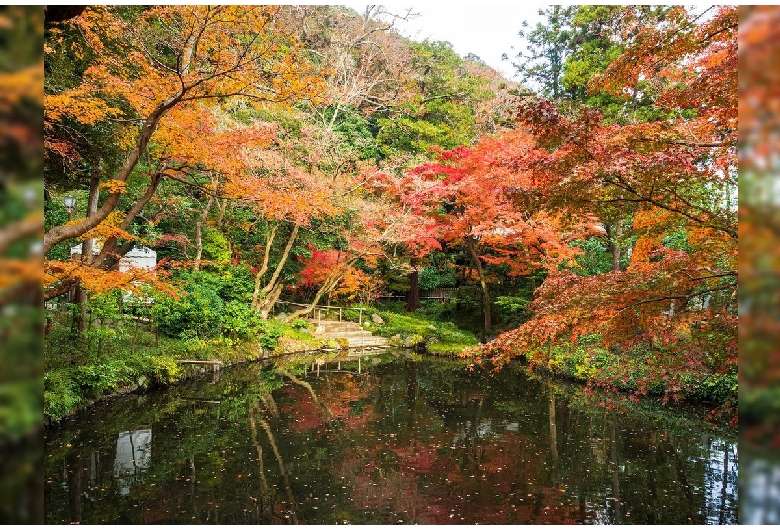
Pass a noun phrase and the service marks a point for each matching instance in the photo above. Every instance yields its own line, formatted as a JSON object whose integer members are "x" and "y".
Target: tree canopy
{"x": 314, "y": 152}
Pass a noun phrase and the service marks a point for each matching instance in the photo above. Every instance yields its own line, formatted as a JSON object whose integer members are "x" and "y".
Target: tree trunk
{"x": 222, "y": 208}
{"x": 271, "y": 285}
{"x": 63, "y": 232}
{"x": 482, "y": 282}
{"x": 413, "y": 297}
{"x": 616, "y": 246}
{"x": 264, "y": 267}
{"x": 111, "y": 253}
{"x": 269, "y": 301}
{"x": 88, "y": 244}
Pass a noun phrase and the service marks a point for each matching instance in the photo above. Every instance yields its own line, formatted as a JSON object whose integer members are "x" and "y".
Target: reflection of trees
{"x": 309, "y": 388}
{"x": 292, "y": 510}
{"x": 613, "y": 462}
{"x": 408, "y": 442}
{"x": 264, "y": 496}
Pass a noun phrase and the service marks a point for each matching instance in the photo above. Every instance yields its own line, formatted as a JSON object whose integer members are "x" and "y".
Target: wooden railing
{"x": 442, "y": 294}
{"x": 318, "y": 309}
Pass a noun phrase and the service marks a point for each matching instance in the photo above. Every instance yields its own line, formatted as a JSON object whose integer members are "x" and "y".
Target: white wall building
{"x": 138, "y": 257}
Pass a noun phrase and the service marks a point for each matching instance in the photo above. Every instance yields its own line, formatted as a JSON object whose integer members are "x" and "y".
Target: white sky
{"x": 486, "y": 30}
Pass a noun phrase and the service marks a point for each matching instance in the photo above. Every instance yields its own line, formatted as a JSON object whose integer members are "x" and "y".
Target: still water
{"x": 401, "y": 441}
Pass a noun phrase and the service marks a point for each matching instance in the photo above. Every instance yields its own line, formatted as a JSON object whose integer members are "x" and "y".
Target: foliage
{"x": 441, "y": 111}
{"x": 299, "y": 152}
{"x": 198, "y": 313}
{"x": 414, "y": 328}
{"x": 216, "y": 246}
{"x": 679, "y": 186}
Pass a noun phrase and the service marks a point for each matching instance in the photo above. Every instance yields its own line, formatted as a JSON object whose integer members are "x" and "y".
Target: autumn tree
{"x": 146, "y": 62}
{"x": 679, "y": 176}
{"x": 488, "y": 204}
{"x": 286, "y": 185}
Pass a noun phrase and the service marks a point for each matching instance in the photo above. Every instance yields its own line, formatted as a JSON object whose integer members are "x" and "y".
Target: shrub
{"x": 60, "y": 393}
{"x": 196, "y": 314}
{"x": 270, "y": 333}
{"x": 167, "y": 370}
{"x": 240, "y": 321}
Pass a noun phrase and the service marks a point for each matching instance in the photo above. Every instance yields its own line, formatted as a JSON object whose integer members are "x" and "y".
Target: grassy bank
{"x": 426, "y": 330}
{"x": 125, "y": 354}
{"x": 80, "y": 371}
{"x": 639, "y": 372}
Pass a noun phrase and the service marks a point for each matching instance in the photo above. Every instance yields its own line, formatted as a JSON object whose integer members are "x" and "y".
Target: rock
{"x": 319, "y": 330}
{"x": 281, "y": 317}
{"x": 376, "y": 319}
{"x": 413, "y": 341}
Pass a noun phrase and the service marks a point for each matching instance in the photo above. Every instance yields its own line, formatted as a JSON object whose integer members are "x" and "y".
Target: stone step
{"x": 335, "y": 323}
{"x": 364, "y": 342}
{"x": 346, "y": 334}
{"x": 353, "y": 332}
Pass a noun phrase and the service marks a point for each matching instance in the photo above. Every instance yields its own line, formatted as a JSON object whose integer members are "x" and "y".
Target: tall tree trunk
{"x": 413, "y": 296}
{"x": 87, "y": 245}
{"x": 269, "y": 301}
{"x": 108, "y": 256}
{"x": 482, "y": 282}
{"x": 264, "y": 267}
{"x": 222, "y": 208}
{"x": 271, "y": 285}
{"x": 286, "y": 254}
{"x": 63, "y": 232}
{"x": 616, "y": 246}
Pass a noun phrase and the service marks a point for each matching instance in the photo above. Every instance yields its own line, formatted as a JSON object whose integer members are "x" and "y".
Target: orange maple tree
{"x": 677, "y": 175}
{"x": 158, "y": 69}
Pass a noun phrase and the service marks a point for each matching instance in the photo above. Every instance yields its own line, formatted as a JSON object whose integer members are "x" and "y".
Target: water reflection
{"x": 400, "y": 442}
{"x": 760, "y": 491}
{"x": 133, "y": 454}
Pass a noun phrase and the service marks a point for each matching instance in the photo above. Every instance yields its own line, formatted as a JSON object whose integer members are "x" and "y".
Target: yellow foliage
{"x": 114, "y": 186}
{"x": 110, "y": 227}
{"x": 23, "y": 84}
{"x": 77, "y": 105}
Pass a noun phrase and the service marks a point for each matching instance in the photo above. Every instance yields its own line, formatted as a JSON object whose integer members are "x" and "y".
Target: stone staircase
{"x": 356, "y": 336}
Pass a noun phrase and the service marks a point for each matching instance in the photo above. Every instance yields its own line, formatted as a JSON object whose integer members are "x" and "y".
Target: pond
{"x": 396, "y": 440}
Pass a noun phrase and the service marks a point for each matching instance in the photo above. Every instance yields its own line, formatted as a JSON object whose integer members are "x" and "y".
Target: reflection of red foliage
{"x": 306, "y": 415}
{"x": 433, "y": 483}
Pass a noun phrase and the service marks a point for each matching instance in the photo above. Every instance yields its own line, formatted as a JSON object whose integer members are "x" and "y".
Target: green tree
{"x": 441, "y": 110}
